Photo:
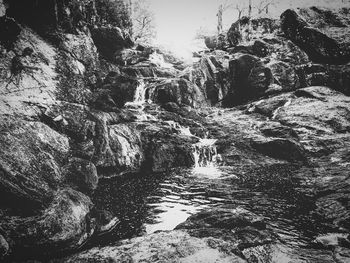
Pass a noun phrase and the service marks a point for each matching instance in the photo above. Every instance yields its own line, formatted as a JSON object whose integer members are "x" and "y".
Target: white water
{"x": 204, "y": 152}
{"x": 158, "y": 59}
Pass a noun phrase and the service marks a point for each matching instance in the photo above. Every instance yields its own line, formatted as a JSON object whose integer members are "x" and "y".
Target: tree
{"x": 143, "y": 22}
{"x": 223, "y": 6}
{"x": 264, "y": 5}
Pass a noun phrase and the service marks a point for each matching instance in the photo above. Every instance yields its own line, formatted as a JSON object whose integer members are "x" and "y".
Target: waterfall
{"x": 143, "y": 94}
{"x": 140, "y": 93}
{"x": 158, "y": 59}
{"x": 205, "y": 153}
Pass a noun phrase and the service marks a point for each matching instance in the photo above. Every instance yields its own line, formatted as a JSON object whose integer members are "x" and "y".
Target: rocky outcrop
{"x": 319, "y": 47}
{"x": 62, "y": 226}
{"x": 249, "y": 79}
{"x": 31, "y": 157}
{"x": 109, "y": 40}
{"x": 180, "y": 91}
{"x": 175, "y": 246}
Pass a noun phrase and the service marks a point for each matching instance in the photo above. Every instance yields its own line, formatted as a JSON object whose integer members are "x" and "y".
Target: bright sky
{"x": 177, "y": 21}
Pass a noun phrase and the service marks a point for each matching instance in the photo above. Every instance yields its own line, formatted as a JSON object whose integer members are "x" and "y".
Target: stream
{"x": 147, "y": 203}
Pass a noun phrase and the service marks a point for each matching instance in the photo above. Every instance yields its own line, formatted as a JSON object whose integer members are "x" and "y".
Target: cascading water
{"x": 158, "y": 59}
{"x": 204, "y": 152}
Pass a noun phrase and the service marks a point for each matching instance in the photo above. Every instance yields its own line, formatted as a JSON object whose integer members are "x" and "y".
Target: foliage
{"x": 114, "y": 12}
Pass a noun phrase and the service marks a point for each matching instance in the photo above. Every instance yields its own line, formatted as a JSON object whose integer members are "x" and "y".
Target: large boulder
{"x": 250, "y": 78}
{"x": 319, "y": 47}
{"x": 211, "y": 75}
{"x": 117, "y": 147}
{"x": 180, "y": 91}
{"x": 175, "y": 246}
{"x": 64, "y": 225}
{"x": 109, "y": 40}
{"x": 82, "y": 174}
{"x": 30, "y": 159}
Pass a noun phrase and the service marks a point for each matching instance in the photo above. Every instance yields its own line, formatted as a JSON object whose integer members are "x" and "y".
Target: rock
{"x": 82, "y": 49}
{"x": 247, "y": 29}
{"x": 119, "y": 88}
{"x": 224, "y": 219}
{"x": 4, "y": 247}
{"x": 73, "y": 120}
{"x": 319, "y": 47}
{"x": 109, "y": 40}
{"x": 129, "y": 57}
{"x": 43, "y": 16}
{"x": 211, "y": 42}
{"x": 180, "y": 91}
{"x": 117, "y": 148}
{"x": 284, "y": 75}
{"x": 174, "y": 246}
{"x": 82, "y": 174}
{"x": 285, "y": 149}
{"x": 148, "y": 70}
{"x": 30, "y": 157}
{"x": 269, "y": 107}
{"x": 64, "y": 225}
{"x": 105, "y": 221}
{"x": 9, "y": 30}
{"x": 336, "y": 77}
{"x": 165, "y": 150}
{"x": 211, "y": 75}
{"x": 249, "y": 80}
{"x": 275, "y": 129}
{"x": 2, "y": 8}
{"x": 260, "y": 48}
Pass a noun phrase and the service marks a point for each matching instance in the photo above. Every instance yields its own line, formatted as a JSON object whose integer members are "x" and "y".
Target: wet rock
{"x": 109, "y": 40}
{"x": 319, "y": 47}
{"x": 165, "y": 150}
{"x": 31, "y": 156}
{"x": 117, "y": 148}
{"x": 285, "y": 149}
{"x": 62, "y": 226}
{"x": 180, "y": 91}
{"x": 81, "y": 173}
{"x": 129, "y": 57}
{"x": 175, "y": 246}
{"x": 118, "y": 89}
{"x": 224, "y": 219}
{"x": 105, "y": 221}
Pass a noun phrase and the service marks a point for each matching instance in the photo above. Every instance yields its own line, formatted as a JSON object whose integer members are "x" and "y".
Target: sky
{"x": 177, "y": 21}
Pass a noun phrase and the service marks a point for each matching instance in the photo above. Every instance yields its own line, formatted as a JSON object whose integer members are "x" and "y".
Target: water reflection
{"x": 148, "y": 203}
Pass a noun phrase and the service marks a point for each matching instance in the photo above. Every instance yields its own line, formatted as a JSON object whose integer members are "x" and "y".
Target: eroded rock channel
{"x": 117, "y": 152}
